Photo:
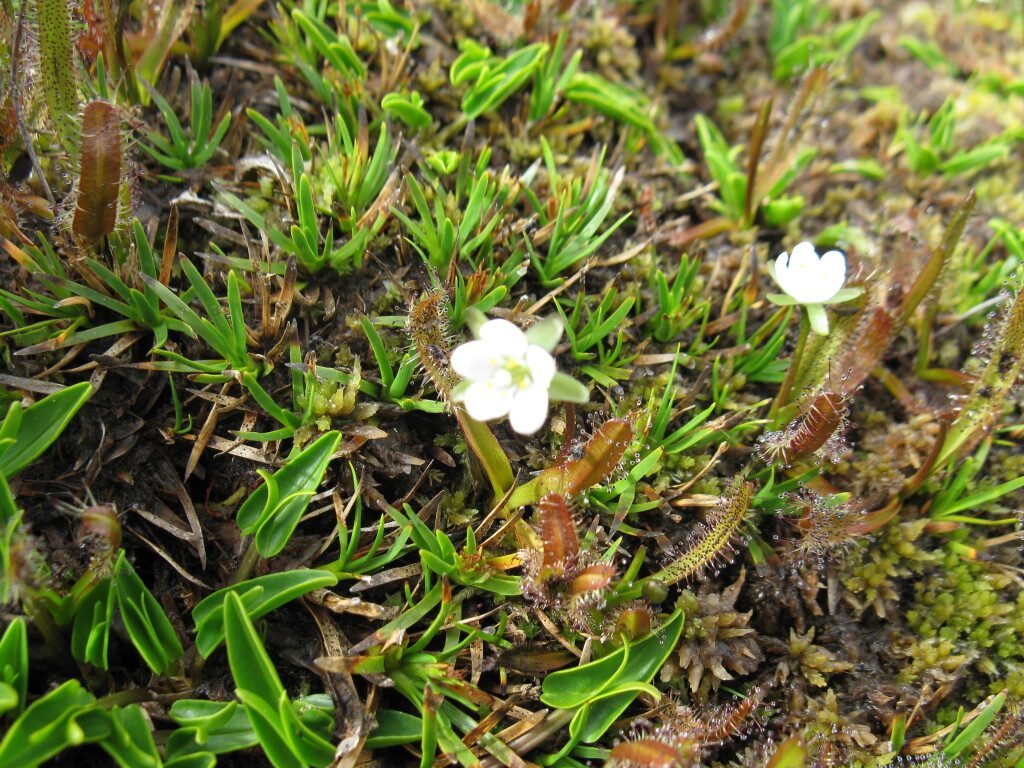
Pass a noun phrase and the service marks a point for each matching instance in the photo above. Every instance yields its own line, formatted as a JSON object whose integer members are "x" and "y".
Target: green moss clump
{"x": 963, "y": 605}
{"x": 872, "y": 575}
{"x": 933, "y": 658}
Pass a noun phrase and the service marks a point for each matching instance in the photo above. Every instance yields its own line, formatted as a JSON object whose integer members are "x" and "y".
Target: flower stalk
{"x": 810, "y": 281}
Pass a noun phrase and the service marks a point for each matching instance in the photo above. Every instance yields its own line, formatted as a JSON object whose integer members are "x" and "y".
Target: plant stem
{"x": 249, "y": 558}
{"x": 782, "y": 398}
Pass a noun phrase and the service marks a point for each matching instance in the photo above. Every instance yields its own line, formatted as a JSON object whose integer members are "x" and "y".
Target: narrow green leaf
{"x": 14, "y": 664}
{"x": 131, "y": 742}
{"x": 273, "y": 523}
{"x": 147, "y": 624}
{"x": 91, "y": 631}
{"x": 387, "y": 374}
{"x": 250, "y": 665}
{"x": 976, "y": 727}
{"x": 40, "y": 425}
{"x": 64, "y": 717}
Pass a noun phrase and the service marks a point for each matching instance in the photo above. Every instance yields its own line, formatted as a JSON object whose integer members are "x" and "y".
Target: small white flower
{"x": 812, "y": 281}
{"x": 808, "y": 278}
{"x": 506, "y": 374}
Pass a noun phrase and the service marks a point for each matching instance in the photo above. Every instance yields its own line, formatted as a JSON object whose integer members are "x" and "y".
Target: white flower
{"x": 811, "y": 280}
{"x": 808, "y": 278}
{"x": 510, "y": 373}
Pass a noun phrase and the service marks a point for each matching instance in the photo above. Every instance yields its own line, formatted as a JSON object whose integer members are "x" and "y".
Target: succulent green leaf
{"x": 259, "y": 596}
{"x": 131, "y": 742}
{"x": 209, "y": 726}
{"x": 39, "y": 425}
{"x": 250, "y": 665}
{"x": 147, "y": 624}
{"x": 394, "y": 728}
{"x": 14, "y": 666}
{"x": 273, "y": 521}
{"x": 631, "y": 663}
{"x": 64, "y": 717}
{"x": 90, "y": 634}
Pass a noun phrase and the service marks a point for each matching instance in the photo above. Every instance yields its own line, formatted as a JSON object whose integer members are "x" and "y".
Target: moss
{"x": 874, "y": 570}
{"x": 961, "y": 608}
{"x": 933, "y": 660}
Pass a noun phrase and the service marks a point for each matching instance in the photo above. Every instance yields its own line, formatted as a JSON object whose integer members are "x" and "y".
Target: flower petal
{"x": 504, "y": 338}
{"x": 781, "y": 272}
{"x": 807, "y": 278}
{"x": 529, "y": 410}
{"x": 804, "y": 257}
{"x": 486, "y": 402}
{"x": 541, "y": 365}
{"x": 477, "y": 360}
{"x": 831, "y": 274}
{"x": 794, "y": 283}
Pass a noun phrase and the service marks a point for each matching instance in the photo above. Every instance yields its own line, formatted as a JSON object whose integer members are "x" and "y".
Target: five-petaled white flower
{"x": 812, "y": 281}
{"x": 510, "y": 373}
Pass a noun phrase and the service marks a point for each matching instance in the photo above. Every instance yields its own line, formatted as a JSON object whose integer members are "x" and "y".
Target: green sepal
{"x": 566, "y": 389}
{"x": 458, "y": 392}
{"x": 546, "y": 333}
{"x": 782, "y": 299}
{"x": 818, "y": 318}
{"x": 475, "y": 320}
{"x": 844, "y": 294}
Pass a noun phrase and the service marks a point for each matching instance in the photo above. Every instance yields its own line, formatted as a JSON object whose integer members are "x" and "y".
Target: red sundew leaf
{"x": 8, "y": 122}
{"x": 866, "y": 346}
{"x": 9, "y": 216}
{"x": 736, "y": 719}
{"x": 824, "y": 416}
{"x": 634, "y": 623}
{"x": 593, "y": 577}
{"x": 533, "y": 660}
{"x": 100, "y": 521}
{"x": 100, "y": 181}
{"x": 90, "y": 42}
{"x": 558, "y": 535}
{"x": 530, "y": 15}
{"x": 649, "y": 753}
{"x": 601, "y": 455}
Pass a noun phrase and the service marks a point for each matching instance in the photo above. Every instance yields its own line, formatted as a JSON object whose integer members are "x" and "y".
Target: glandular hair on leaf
{"x": 712, "y": 541}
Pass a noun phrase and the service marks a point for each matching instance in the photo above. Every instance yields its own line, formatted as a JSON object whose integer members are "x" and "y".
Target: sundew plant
{"x": 511, "y": 383}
